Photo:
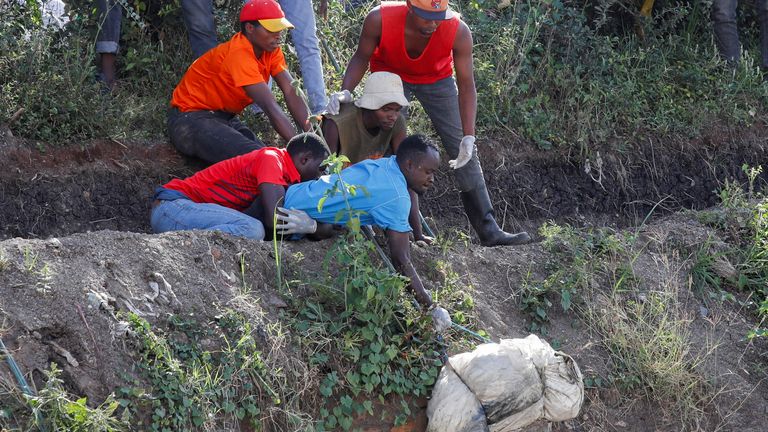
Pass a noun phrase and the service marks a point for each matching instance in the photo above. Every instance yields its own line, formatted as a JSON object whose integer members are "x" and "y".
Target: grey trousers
{"x": 441, "y": 103}
{"x": 727, "y": 34}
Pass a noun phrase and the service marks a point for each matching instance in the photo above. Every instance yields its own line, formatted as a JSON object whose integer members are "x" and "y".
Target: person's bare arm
{"x": 465, "y": 78}
{"x": 397, "y": 137}
{"x": 266, "y": 101}
{"x": 400, "y": 252}
{"x": 271, "y": 196}
{"x": 369, "y": 40}
{"x": 296, "y": 106}
{"x": 415, "y": 220}
{"x": 331, "y": 135}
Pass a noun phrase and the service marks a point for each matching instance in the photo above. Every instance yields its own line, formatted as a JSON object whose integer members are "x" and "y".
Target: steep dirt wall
{"x": 108, "y": 185}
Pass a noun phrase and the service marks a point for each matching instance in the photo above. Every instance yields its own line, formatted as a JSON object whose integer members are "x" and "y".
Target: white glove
{"x": 466, "y": 150}
{"x": 294, "y": 222}
{"x": 440, "y": 319}
{"x": 336, "y": 99}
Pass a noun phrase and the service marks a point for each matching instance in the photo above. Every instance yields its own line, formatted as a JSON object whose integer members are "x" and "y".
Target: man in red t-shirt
{"x": 216, "y": 197}
{"x": 202, "y": 121}
{"x": 424, "y": 42}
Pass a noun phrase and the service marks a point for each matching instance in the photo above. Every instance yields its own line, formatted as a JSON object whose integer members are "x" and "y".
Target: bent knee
{"x": 252, "y": 230}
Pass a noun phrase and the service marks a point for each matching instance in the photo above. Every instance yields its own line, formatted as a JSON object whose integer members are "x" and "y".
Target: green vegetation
{"x": 552, "y": 72}
{"x": 364, "y": 333}
{"x": 639, "y": 323}
{"x": 53, "y": 409}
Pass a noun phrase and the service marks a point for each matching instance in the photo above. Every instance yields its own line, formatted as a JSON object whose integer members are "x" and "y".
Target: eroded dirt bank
{"x": 108, "y": 185}
{"x": 49, "y": 314}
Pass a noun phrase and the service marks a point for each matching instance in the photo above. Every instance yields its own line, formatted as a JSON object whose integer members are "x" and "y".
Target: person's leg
{"x": 107, "y": 39}
{"x": 762, "y": 16}
{"x": 198, "y": 17}
{"x": 184, "y": 214}
{"x": 441, "y": 103}
{"x": 304, "y": 37}
{"x": 209, "y": 136}
{"x": 724, "y": 25}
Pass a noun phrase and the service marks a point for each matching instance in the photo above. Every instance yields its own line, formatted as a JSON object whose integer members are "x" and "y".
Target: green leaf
{"x": 320, "y": 203}
{"x": 565, "y": 299}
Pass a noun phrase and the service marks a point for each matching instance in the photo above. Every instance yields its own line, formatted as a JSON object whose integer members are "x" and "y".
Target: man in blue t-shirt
{"x": 386, "y": 203}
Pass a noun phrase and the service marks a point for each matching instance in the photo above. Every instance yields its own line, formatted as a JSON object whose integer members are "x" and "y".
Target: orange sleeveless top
{"x": 434, "y": 63}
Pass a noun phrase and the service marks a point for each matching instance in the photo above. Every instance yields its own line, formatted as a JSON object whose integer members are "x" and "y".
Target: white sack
{"x": 521, "y": 419}
{"x": 563, "y": 388}
{"x": 452, "y": 407}
{"x": 502, "y": 377}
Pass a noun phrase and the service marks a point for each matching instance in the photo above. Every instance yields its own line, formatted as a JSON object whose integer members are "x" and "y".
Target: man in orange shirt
{"x": 203, "y": 119}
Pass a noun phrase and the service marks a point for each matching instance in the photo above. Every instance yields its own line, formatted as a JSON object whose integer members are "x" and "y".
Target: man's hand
{"x": 294, "y": 222}
{"x": 336, "y": 99}
{"x": 466, "y": 150}
{"x": 441, "y": 319}
{"x": 423, "y": 241}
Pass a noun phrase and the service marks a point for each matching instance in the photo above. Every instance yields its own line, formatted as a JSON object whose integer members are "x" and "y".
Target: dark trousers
{"x": 212, "y": 136}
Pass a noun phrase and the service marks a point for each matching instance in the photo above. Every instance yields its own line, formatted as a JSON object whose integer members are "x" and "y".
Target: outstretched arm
{"x": 296, "y": 106}
{"x": 465, "y": 78}
{"x": 266, "y": 101}
{"x": 400, "y": 252}
{"x": 369, "y": 40}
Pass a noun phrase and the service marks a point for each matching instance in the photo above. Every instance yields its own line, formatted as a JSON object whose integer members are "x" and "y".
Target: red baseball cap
{"x": 432, "y": 10}
{"x": 267, "y": 12}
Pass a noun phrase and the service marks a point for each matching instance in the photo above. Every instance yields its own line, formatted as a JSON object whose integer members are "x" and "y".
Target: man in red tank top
{"x": 424, "y": 42}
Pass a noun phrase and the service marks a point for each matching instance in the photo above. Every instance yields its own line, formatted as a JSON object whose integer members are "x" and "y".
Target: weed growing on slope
{"x": 577, "y": 261}
{"x": 367, "y": 339}
{"x": 194, "y": 387}
{"x": 744, "y": 219}
{"x": 642, "y": 326}
{"x": 52, "y": 409}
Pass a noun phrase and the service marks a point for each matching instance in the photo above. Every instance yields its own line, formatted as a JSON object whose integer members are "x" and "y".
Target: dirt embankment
{"x": 108, "y": 185}
{"x": 49, "y": 312}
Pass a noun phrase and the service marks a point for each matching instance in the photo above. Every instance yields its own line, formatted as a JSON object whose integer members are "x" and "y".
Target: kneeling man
{"x": 215, "y": 198}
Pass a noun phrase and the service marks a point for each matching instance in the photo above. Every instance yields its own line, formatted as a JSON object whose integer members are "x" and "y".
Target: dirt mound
{"x": 61, "y": 301}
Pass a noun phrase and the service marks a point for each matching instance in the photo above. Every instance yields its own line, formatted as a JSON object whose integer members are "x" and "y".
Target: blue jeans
{"x": 441, "y": 103}
{"x": 110, "y": 15}
{"x": 304, "y": 38}
{"x": 198, "y": 17}
{"x": 184, "y": 214}
{"x": 727, "y": 34}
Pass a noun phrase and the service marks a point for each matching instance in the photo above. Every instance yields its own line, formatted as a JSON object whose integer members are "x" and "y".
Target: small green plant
{"x": 58, "y": 412}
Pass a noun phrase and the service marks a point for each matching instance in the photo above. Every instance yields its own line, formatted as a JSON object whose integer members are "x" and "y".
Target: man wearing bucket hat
{"x": 373, "y": 127}
{"x": 424, "y": 42}
{"x": 203, "y": 119}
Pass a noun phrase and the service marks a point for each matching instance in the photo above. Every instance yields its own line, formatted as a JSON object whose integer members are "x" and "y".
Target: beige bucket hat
{"x": 382, "y": 88}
